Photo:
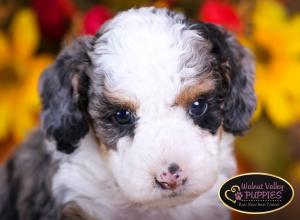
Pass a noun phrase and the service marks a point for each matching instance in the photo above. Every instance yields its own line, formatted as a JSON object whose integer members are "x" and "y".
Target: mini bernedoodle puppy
{"x": 137, "y": 123}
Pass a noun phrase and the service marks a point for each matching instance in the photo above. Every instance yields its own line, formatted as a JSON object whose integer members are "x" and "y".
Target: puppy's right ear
{"x": 63, "y": 89}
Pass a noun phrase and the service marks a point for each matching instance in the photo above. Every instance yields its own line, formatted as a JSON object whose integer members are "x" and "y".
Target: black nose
{"x": 173, "y": 168}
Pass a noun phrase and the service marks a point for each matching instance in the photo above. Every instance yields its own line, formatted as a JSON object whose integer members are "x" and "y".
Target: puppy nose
{"x": 172, "y": 178}
{"x": 173, "y": 168}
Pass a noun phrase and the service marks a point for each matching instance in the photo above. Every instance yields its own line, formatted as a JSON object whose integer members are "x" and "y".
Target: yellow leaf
{"x": 258, "y": 111}
{"x": 291, "y": 78}
{"x": 268, "y": 13}
{"x": 25, "y": 34}
{"x": 4, "y": 48}
{"x": 279, "y": 109}
{"x": 23, "y": 125}
{"x": 4, "y": 119}
{"x": 38, "y": 64}
{"x": 292, "y": 33}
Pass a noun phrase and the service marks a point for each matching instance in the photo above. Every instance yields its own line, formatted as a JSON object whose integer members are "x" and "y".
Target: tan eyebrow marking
{"x": 122, "y": 100}
{"x": 191, "y": 93}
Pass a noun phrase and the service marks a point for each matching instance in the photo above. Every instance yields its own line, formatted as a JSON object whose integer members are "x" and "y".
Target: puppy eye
{"x": 124, "y": 117}
{"x": 198, "y": 108}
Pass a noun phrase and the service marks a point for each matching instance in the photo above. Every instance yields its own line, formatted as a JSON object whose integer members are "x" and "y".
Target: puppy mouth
{"x": 170, "y": 196}
{"x": 163, "y": 185}
{"x": 172, "y": 186}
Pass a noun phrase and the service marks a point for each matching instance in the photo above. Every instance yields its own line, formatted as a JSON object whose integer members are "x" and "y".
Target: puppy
{"x": 137, "y": 123}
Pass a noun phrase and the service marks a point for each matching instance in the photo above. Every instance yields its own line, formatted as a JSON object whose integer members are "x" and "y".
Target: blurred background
{"x": 33, "y": 31}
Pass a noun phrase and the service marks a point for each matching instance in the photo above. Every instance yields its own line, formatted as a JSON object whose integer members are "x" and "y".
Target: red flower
{"x": 54, "y": 17}
{"x": 94, "y": 18}
{"x": 217, "y": 12}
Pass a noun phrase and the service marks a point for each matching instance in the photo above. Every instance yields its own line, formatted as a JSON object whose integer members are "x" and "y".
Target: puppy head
{"x": 157, "y": 90}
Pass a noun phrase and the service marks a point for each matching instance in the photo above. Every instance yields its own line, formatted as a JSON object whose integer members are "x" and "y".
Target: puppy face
{"x": 157, "y": 90}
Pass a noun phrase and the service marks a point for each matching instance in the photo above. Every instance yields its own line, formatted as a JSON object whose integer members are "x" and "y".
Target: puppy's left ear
{"x": 63, "y": 89}
{"x": 240, "y": 102}
{"x": 238, "y": 70}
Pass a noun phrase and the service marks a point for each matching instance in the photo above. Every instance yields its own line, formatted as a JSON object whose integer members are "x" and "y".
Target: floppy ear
{"x": 240, "y": 102}
{"x": 63, "y": 89}
{"x": 238, "y": 71}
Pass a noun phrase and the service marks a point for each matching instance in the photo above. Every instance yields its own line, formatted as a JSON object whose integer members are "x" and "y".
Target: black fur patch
{"x": 212, "y": 118}
{"x": 234, "y": 99}
{"x": 64, "y": 107}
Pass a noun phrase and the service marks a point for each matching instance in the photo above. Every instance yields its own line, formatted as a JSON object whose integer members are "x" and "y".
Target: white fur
{"x": 86, "y": 179}
{"x": 142, "y": 56}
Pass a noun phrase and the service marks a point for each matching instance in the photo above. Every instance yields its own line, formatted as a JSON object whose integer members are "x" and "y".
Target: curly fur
{"x": 83, "y": 165}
